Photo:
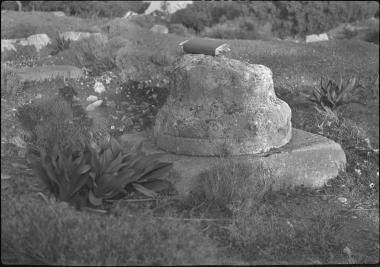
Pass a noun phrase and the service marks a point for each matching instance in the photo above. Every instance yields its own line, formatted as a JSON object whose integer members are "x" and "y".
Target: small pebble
{"x": 94, "y": 105}
{"x": 92, "y": 98}
{"x": 342, "y": 200}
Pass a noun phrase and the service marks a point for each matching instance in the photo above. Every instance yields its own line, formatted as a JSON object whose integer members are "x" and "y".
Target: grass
{"x": 235, "y": 219}
{"x": 34, "y": 232}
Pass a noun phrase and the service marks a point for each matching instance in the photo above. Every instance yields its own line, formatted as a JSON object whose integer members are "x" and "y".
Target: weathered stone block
{"x": 221, "y": 106}
{"x": 308, "y": 159}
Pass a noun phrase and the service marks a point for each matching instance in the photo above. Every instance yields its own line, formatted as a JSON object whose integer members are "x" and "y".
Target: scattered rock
{"x": 160, "y": 29}
{"x": 316, "y": 38}
{"x": 130, "y": 14}
{"x": 77, "y": 36}
{"x": 94, "y": 105}
{"x": 342, "y": 200}
{"x": 8, "y": 44}
{"x": 99, "y": 88}
{"x": 92, "y": 98}
{"x": 5, "y": 176}
{"x": 59, "y": 14}
{"x": 37, "y": 40}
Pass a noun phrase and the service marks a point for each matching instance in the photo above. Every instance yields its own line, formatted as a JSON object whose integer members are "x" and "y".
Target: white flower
{"x": 371, "y": 185}
{"x": 112, "y": 127}
{"x": 358, "y": 171}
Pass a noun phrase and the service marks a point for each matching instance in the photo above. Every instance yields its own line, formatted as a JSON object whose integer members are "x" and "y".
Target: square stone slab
{"x": 308, "y": 159}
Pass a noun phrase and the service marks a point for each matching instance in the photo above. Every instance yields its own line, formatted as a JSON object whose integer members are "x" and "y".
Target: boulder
{"x": 8, "y": 44}
{"x": 317, "y": 38}
{"x": 159, "y": 28}
{"x": 59, "y": 13}
{"x": 37, "y": 40}
{"x": 221, "y": 106}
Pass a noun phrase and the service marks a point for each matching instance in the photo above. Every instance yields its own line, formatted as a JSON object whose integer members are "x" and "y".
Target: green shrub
{"x": 94, "y": 54}
{"x": 239, "y": 28}
{"x": 82, "y": 8}
{"x": 178, "y": 29}
{"x": 263, "y": 233}
{"x": 22, "y": 30}
{"x": 35, "y": 233}
{"x": 10, "y": 82}
{"x": 234, "y": 186}
{"x": 330, "y": 95}
{"x": 51, "y": 121}
{"x": 289, "y": 18}
{"x": 60, "y": 45}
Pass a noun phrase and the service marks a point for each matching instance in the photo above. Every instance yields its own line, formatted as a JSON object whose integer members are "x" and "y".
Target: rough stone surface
{"x": 94, "y": 105}
{"x": 159, "y": 28}
{"x": 77, "y": 36}
{"x": 317, "y": 38}
{"x": 48, "y": 72}
{"x": 220, "y": 106}
{"x": 130, "y": 14}
{"x": 308, "y": 159}
{"x": 59, "y": 14}
{"x": 92, "y": 98}
{"x": 8, "y": 44}
{"x": 99, "y": 88}
{"x": 37, "y": 40}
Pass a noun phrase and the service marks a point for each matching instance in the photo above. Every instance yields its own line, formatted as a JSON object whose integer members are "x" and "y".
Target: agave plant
{"x": 90, "y": 176}
{"x": 113, "y": 170}
{"x": 61, "y": 44}
{"x": 330, "y": 95}
{"x": 64, "y": 173}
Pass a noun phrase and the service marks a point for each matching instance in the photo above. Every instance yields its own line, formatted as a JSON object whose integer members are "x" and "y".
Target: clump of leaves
{"x": 64, "y": 173}
{"x": 114, "y": 171}
{"x": 10, "y": 82}
{"x": 90, "y": 176}
{"x": 61, "y": 44}
{"x": 51, "y": 121}
{"x": 330, "y": 95}
{"x": 94, "y": 54}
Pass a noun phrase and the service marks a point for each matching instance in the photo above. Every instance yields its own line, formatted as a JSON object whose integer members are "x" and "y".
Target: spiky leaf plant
{"x": 113, "y": 170}
{"x": 61, "y": 44}
{"x": 64, "y": 173}
{"x": 330, "y": 95}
